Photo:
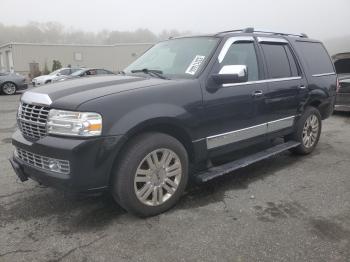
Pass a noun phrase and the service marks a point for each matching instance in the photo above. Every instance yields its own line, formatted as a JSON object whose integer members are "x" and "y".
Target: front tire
{"x": 8, "y": 88}
{"x": 152, "y": 174}
{"x": 307, "y": 132}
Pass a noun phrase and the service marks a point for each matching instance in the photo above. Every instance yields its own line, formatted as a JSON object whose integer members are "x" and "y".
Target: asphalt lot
{"x": 287, "y": 208}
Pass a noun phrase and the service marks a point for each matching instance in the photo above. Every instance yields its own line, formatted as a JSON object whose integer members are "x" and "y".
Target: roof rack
{"x": 252, "y": 30}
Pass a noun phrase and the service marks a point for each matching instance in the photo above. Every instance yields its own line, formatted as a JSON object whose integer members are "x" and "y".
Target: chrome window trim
{"x": 324, "y": 74}
{"x": 248, "y": 132}
{"x": 228, "y": 44}
{"x": 264, "y": 81}
{"x": 34, "y": 98}
{"x": 272, "y": 40}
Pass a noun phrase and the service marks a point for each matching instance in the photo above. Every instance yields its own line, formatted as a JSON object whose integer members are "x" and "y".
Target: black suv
{"x": 143, "y": 133}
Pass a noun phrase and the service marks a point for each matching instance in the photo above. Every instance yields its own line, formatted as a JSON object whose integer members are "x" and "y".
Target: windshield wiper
{"x": 152, "y": 72}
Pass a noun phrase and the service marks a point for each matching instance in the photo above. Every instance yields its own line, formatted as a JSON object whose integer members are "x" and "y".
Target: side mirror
{"x": 58, "y": 74}
{"x": 230, "y": 74}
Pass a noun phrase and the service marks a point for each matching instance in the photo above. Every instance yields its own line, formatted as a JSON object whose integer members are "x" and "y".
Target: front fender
{"x": 177, "y": 102}
{"x": 159, "y": 113}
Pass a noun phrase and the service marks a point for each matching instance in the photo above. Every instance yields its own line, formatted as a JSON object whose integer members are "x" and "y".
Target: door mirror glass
{"x": 231, "y": 74}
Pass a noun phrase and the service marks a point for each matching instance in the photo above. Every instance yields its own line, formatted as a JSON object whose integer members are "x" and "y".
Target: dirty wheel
{"x": 152, "y": 175}
{"x": 308, "y": 131}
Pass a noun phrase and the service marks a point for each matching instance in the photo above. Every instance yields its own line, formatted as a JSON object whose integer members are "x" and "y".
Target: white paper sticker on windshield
{"x": 195, "y": 64}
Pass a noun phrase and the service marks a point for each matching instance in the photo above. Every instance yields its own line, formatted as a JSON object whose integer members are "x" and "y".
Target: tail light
{"x": 338, "y": 85}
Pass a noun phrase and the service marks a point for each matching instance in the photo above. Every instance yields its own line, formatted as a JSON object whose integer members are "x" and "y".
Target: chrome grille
{"x": 42, "y": 162}
{"x": 32, "y": 120}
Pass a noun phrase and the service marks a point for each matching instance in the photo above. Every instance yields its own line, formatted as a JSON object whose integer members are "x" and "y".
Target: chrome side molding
{"x": 249, "y": 132}
{"x": 325, "y": 74}
{"x": 279, "y": 124}
{"x": 236, "y": 136}
{"x": 34, "y": 98}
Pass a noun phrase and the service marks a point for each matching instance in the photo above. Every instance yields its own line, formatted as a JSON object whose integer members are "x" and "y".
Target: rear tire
{"x": 152, "y": 174}
{"x": 307, "y": 131}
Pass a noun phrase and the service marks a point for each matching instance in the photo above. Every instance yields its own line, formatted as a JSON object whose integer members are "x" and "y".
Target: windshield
{"x": 78, "y": 73}
{"x": 183, "y": 57}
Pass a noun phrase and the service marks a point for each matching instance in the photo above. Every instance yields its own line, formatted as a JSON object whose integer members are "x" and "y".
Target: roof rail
{"x": 252, "y": 30}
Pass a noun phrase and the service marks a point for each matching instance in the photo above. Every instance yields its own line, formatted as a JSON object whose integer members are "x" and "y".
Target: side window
{"x": 102, "y": 72}
{"x": 91, "y": 72}
{"x": 65, "y": 72}
{"x": 278, "y": 64}
{"x": 243, "y": 54}
{"x": 316, "y": 57}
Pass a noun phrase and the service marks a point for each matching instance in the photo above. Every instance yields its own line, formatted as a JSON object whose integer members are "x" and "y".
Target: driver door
{"x": 233, "y": 111}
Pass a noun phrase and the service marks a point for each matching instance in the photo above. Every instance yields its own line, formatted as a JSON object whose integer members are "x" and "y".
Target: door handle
{"x": 257, "y": 93}
{"x": 302, "y": 87}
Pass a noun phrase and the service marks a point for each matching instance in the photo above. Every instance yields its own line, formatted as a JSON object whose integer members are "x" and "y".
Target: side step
{"x": 224, "y": 169}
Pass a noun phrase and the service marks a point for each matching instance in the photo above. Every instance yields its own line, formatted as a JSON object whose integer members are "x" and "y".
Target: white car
{"x": 46, "y": 79}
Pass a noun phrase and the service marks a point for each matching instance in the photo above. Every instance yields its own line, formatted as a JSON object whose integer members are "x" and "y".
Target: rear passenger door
{"x": 286, "y": 88}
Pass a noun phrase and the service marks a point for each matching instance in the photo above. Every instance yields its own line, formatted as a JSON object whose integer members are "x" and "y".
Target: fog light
{"x": 54, "y": 165}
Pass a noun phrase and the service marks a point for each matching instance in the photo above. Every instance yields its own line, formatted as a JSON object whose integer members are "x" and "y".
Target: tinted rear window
{"x": 315, "y": 57}
{"x": 342, "y": 66}
{"x": 278, "y": 59}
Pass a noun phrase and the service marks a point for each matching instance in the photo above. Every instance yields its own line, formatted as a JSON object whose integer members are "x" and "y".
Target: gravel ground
{"x": 287, "y": 208}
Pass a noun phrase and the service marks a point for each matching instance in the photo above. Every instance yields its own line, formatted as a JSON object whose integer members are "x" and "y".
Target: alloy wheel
{"x": 157, "y": 177}
{"x": 9, "y": 88}
{"x": 310, "y": 131}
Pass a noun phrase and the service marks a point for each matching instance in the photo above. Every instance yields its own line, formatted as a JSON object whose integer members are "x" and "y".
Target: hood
{"x": 70, "y": 94}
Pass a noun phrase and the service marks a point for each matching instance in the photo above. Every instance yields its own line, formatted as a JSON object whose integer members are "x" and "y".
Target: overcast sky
{"x": 318, "y": 18}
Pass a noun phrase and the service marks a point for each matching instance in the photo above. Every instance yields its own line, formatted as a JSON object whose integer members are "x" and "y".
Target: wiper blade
{"x": 153, "y": 72}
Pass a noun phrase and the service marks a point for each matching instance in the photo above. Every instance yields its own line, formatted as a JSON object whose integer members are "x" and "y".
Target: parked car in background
{"x": 83, "y": 73}
{"x": 12, "y": 82}
{"x": 45, "y": 79}
{"x": 342, "y": 66}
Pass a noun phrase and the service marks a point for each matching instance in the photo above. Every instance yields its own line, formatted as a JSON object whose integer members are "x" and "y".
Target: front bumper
{"x": 91, "y": 161}
{"x": 37, "y": 83}
{"x": 22, "y": 86}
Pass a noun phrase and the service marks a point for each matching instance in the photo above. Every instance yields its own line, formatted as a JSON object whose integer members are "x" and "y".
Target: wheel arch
{"x": 8, "y": 81}
{"x": 165, "y": 125}
{"x": 5, "y": 82}
{"x": 319, "y": 100}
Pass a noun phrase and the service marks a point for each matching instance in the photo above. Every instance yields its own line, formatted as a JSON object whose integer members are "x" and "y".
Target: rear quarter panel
{"x": 322, "y": 87}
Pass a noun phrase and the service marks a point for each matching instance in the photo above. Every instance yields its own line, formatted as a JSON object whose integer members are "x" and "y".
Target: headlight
{"x": 70, "y": 123}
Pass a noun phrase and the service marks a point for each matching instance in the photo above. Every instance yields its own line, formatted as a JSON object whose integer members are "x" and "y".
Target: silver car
{"x": 12, "y": 82}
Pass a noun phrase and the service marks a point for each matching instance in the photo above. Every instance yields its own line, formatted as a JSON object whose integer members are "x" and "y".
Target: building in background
{"x": 27, "y": 58}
